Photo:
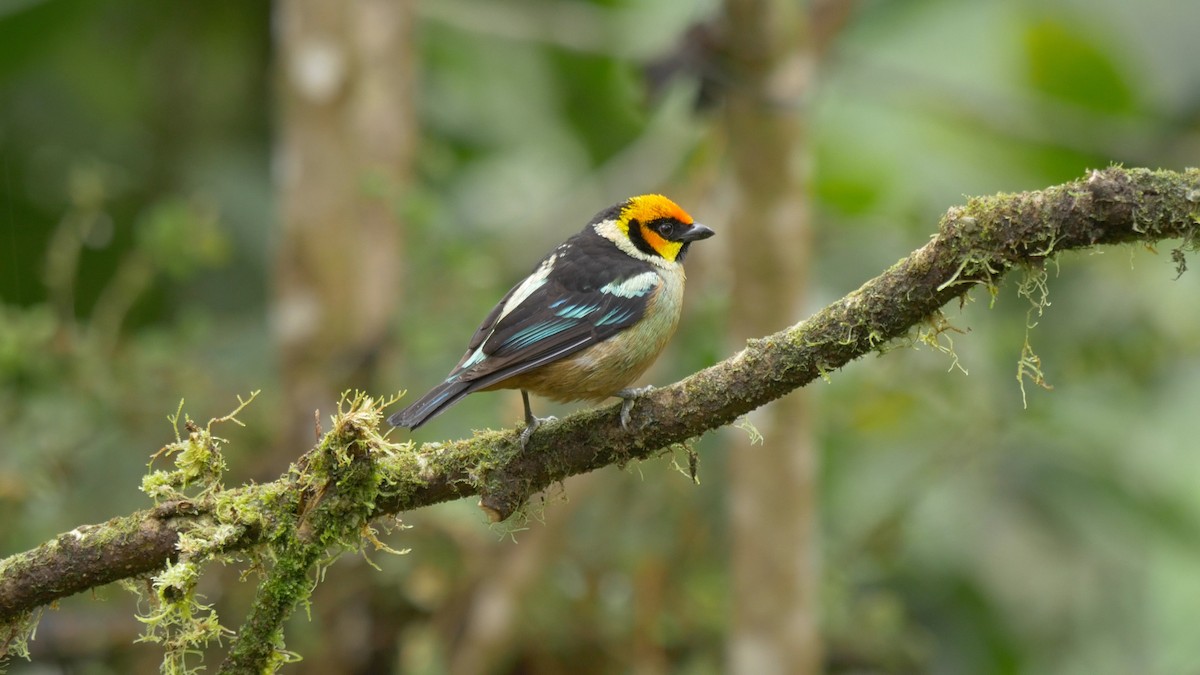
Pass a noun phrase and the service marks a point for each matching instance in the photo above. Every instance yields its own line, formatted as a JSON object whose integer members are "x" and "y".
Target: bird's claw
{"x": 628, "y": 398}
{"x": 626, "y": 406}
{"x": 531, "y": 425}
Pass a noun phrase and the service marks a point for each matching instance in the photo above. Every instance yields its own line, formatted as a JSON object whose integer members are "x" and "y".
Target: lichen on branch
{"x": 337, "y": 485}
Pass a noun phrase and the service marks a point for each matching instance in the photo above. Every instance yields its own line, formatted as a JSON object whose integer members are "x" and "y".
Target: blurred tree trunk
{"x": 773, "y": 486}
{"x": 345, "y": 150}
{"x": 347, "y": 140}
{"x": 489, "y": 632}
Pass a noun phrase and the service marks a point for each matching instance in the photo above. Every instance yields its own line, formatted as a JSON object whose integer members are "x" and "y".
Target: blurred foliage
{"x": 962, "y": 532}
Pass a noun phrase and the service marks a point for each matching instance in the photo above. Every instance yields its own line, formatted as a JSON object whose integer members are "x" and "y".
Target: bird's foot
{"x": 531, "y": 422}
{"x": 531, "y": 425}
{"x": 628, "y": 397}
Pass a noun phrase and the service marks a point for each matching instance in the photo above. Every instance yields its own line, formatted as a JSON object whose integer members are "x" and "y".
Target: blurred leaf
{"x": 180, "y": 236}
{"x": 1064, "y": 63}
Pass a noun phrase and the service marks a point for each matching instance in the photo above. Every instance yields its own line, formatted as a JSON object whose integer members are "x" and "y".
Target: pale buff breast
{"x": 605, "y": 368}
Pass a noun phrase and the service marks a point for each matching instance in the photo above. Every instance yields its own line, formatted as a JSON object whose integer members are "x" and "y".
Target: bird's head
{"x": 650, "y": 227}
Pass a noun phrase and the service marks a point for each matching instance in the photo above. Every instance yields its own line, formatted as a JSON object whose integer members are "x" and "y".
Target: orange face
{"x": 649, "y": 208}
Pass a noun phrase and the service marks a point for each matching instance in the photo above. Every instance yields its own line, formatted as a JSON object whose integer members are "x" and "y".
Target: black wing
{"x": 581, "y": 299}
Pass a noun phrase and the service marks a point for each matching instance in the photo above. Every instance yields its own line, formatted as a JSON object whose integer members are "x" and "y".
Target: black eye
{"x": 666, "y": 228}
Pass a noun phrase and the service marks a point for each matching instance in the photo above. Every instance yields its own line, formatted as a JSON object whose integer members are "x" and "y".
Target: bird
{"x": 589, "y": 319}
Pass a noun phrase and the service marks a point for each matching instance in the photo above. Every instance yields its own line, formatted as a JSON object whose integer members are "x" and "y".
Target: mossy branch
{"x": 337, "y": 486}
{"x": 976, "y": 244}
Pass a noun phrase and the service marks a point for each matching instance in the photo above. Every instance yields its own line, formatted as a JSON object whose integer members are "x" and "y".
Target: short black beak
{"x": 695, "y": 233}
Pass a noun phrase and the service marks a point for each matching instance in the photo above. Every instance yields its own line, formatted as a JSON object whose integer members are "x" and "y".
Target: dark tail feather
{"x": 432, "y": 404}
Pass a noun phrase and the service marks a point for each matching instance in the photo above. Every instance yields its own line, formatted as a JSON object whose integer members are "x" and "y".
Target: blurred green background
{"x": 153, "y": 159}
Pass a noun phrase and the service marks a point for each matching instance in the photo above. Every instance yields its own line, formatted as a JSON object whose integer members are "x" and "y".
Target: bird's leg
{"x": 531, "y": 422}
{"x": 628, "y": 397}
